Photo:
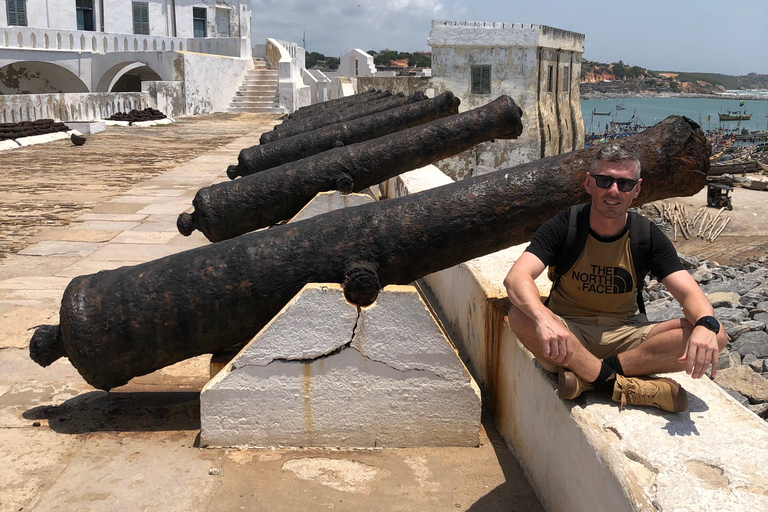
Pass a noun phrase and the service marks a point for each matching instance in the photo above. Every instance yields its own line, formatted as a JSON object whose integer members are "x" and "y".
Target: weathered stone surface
{"x": 724, "y": 299}
{"x": 734, "y": 330}
{"x": 729, "y": 360}
{"x": 731, "y": 314}
{"x": 748, "y": 359}
{"x": 325, "y": 373}
{"x": 759, "y": 409}
{"x": 752, "y": 343}
{"x": 745, "y": 381}
{"x": 668, "y": 311}
{"x": 757, "y": 365}
{"x": 754, "y": 325}
{"x": 737, "y": 396}
{"x": 761, "y": 317}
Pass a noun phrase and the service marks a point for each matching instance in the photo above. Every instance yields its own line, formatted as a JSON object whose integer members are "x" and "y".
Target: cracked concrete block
{"x": 325, "y": 202}
{"x": 324, "y": 373}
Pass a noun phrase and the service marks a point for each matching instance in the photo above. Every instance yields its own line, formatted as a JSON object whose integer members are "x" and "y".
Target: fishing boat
{"x": 734, "y": 115}
{"x": 620, "y": 106}
{"x": 596, "y": 113}
{"x": 763, "y": 166}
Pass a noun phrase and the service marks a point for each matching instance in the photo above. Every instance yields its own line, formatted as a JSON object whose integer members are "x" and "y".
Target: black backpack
{"x": 576, "y": 239}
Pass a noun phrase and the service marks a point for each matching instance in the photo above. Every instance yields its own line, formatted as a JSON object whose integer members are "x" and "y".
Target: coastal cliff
{"x": 600, "y": 80}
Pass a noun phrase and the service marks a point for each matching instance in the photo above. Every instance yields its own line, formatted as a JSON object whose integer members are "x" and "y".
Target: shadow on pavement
{"x": 99, "y": 411}
{"x": 510, "y": 495}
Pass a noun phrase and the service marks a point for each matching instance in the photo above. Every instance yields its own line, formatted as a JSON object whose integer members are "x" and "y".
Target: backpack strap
{"x": 575, "y": 240}
{"x": 640, "y": 247}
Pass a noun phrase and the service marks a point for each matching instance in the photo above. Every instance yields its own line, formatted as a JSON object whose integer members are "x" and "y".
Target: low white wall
{"x": 288, "y": 59}
{"x": 69, "y": 107}
{"x": 587, "y": 455}
{"x": 167, "y": 97}
{"x": 210, "y": 82}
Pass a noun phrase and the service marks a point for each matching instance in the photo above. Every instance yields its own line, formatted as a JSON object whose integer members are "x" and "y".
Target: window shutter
{"x": 145, "y": 18}
{"x": 485, "y": 80}
{"x": 17, "y": 13}
{"x": 21, "y": 12}
{"x": 136, "y": 18}
{"x": 477, "y": 78}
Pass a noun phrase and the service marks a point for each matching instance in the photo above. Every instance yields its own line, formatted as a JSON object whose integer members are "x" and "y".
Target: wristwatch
{"x": 710, "y": 323}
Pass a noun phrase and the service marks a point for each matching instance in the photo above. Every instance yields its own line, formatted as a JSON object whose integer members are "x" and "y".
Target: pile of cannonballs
{"x": 29, "y": 128}
{"x": 135, "y": 116}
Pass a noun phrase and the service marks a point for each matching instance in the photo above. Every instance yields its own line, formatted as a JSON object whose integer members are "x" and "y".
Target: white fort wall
{"x": 520, "y": 57}
{"x": 587, "y": 455}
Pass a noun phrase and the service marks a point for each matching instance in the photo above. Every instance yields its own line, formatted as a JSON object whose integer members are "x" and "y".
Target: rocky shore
{"x": 652, "y": 94}
{"x": 739, "y": 294}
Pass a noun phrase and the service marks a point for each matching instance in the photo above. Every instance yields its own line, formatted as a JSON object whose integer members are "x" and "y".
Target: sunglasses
{"x": 606, "y": 182}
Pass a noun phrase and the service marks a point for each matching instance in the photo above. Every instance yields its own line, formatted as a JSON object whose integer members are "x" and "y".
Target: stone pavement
{"x": 65, "y": 446}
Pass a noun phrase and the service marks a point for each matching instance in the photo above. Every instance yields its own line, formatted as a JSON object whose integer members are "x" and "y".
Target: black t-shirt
{"x": 550, "y": 239}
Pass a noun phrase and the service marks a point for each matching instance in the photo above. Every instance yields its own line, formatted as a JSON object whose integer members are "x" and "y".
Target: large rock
{"x": 724, "y": 299}
{"x": 754, "y": 342}
{"x": 728, "y": 360}
{"x": 731, "y": 314}
{"x": 744, "y": 381}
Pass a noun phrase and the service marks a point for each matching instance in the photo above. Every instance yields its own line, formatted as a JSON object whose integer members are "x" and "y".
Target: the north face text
{"x": 604, "y": 280}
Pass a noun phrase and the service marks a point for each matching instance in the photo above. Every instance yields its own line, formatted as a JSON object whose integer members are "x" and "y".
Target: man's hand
{"x": 555, "y": 339}
{"x": 701, "y": 351}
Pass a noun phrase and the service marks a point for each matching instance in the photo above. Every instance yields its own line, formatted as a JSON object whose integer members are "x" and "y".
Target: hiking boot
{"x": 658, "y": 392}
{"x": 570, "y": 385}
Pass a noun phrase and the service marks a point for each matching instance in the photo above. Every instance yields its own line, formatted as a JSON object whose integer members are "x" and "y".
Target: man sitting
{"x": 592, "y": 330}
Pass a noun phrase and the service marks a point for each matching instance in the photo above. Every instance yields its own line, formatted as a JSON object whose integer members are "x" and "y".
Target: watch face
{"x": 710, "y": 323}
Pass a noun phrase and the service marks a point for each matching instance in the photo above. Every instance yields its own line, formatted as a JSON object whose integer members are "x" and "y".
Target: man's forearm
{"x": 524, "y": 294}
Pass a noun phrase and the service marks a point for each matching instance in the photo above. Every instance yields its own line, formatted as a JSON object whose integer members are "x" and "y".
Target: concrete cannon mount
{"x": 324, "y": 373}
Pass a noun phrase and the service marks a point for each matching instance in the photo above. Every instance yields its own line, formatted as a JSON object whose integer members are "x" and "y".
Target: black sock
{"x": 605, "y": 380}
{"x": 614, "y": 364}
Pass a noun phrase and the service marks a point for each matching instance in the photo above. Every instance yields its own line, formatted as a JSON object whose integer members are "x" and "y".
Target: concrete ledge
{"x": 325, "y": 202}
{"x": 587, "y": 455}
{"x": 325, "y": 373}
{"x": 88, "y": 126}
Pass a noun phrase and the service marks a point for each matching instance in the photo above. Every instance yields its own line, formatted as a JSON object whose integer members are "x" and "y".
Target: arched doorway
{"x": 33, "y": 77}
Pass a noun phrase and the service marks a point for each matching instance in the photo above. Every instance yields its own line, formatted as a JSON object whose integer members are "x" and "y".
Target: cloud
{"x": 335, "y": 27}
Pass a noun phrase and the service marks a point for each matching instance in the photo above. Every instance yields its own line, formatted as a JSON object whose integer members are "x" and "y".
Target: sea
{"x": 650, "y": 111}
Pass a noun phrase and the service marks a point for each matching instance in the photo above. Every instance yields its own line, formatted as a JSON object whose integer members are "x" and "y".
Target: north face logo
{"x": 604, "y": 280}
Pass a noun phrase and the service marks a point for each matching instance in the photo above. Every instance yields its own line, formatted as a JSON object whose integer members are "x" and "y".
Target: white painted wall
{"x": 517, "y": 55}
{"x": 357, "y": 63}
{"x": 118, "y": 16}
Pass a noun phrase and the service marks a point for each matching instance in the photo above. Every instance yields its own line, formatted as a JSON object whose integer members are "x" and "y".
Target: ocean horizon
{"x": 651, "y": 110}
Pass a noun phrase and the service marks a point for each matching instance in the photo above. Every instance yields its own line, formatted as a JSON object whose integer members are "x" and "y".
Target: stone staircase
{"x": 259, "y": 91}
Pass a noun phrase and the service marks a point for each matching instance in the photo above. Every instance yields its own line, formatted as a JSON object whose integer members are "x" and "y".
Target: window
{"x": 17, "y": 12}
{"x": 84, "y": 10}
{"x": 199, "y": 21}
{"x": 481, "y": 79}
{"x": 567, "y": 79}
{"x": 141, "y": 18}
{"x": 550, "y": 74}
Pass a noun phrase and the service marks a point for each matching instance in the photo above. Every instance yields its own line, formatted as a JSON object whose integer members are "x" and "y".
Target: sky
{"x": 714, "y": 36}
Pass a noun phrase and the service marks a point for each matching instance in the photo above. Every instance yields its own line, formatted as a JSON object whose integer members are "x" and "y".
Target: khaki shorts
{"x": 605, "y": 336}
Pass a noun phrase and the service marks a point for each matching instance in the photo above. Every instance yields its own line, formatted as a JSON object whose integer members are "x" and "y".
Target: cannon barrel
{"x": 346, "y": 101}
{"x": 122, "y": 323}
{"x": 260, "y": 158}
{"x": 230, "y": 209}
{"x": 347, "y": 114}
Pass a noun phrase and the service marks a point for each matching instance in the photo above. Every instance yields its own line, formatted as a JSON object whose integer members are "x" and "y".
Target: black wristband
{"x": 709, "y": 322}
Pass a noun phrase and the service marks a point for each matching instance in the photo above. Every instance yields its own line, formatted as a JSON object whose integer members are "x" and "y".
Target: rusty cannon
{"x": 313, "y": 123}
{"x": 122, "y": 323}
{"x": 341, "y": 110}
{"x": 229, "y": 209}
{"x": 260, "y": 158}
{"x": 346, "y": 101}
